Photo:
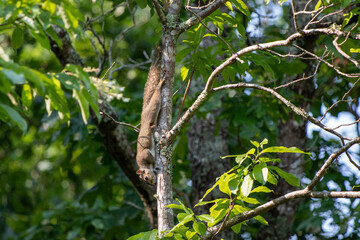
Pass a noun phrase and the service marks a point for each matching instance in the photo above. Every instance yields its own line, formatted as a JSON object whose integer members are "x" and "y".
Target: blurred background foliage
{"x": 58, "y": 182}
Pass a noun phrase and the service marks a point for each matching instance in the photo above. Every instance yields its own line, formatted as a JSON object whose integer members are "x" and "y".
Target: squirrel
{"x": 145, "y": 156}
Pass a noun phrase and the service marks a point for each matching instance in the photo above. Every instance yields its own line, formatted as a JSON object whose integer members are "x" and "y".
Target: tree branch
{"x": 263, "y": 46}
{"x": 201, "y": 15}
{"x": 292, "y": 195}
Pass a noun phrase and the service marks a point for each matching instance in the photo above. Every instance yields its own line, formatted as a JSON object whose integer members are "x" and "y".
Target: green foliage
{"x": 248, "y": 177}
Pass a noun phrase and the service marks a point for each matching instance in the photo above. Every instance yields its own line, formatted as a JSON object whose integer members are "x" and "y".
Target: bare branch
{"x": 276, "y": 202}
{"x": 347, "y": 35}
{"x": 349, "y": 75}
{"x": 159, "y": 11}
{"x": 210, "y": 8}
{"x": 263, "y": 46}
{"x": 295, "y": 109}
{"x": 336, "y": 45}
{"x": 91, "y": 20}
{"x": 329, "y": 161}
{"x": 223, "y": 40}
{"x": 119, "y": 123}
{"x": 300, "y": 79}
{"x": 342, "y": 100}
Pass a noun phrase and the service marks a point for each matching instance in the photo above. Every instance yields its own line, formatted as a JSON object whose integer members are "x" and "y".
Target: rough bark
{"x": 163, "y": 163}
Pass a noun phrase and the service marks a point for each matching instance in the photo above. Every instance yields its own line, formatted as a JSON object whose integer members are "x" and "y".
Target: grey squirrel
{"x": 145, "y": 156}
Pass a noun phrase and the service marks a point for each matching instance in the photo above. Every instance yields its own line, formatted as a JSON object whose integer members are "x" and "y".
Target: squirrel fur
{"x": 145, "y": 156}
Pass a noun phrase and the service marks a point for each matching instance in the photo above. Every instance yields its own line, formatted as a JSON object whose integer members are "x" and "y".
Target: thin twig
{"x": 300, "y": 79}
{"x": 336, "y": 45}
{"x": 342, "y": 100}
{"x": 186, "y": 91}
{"x": 217, "y": 35}
{"x": 120, "y": 123}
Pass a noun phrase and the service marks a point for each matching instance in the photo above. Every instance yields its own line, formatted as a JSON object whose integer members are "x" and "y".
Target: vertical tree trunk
{"x": 163, "y": 161}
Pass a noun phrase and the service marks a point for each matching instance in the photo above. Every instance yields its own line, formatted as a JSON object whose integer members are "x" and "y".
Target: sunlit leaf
{"x": 282, "y": 149}
{"x": 199, "y": 227}
{"x": 184, "y": 72}
{"x": 26, "y": 95}
{"x": 246, "y": 186}
{"x": 205, "y": 218}
{"x": 261, "y": 172}
{"x": 255, "y": 143}
{"x": 261, "y": 189}
{"x": 84, "y": 105}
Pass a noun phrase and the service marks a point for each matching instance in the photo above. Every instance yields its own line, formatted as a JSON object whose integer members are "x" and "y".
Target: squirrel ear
{"x": 139, "y": 172}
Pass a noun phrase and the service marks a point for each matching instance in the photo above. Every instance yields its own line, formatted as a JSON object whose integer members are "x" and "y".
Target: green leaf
{"x": 288, "y": 177}
{"x": 241, "y": 158}
{"x": 267, "y": 159}
{"x": 205, "y": 218}
{"x": 318, "y": 5}
{"x": 242, "y": 7}
{"x": 255, "y": 143}
{"x": 184, "y": 72}
{"x": 98, "y": 223}
{"x": 251, "y": 151}
{"x": 261, "y": 189}
{"x": 237, "y": 228}
{"x": 51, "y": 32}
{"x": 261, "y": 220}
{"x": 14, "y": 77}
{"x": 84, "y": 105}
{"x": 229, "y": 6}
{"x": 264, "y": 142}
{"x": 250, "y": 200}
{"x": 17, "y": 37}
{"x": 272, "y": 178}
{"x": 92, "y": 102}
{"x": 191, "y": 234}
{"x": 233, "y": 185}
{"x": 224, "y": 183}
{"x": 26, "y": 95}
{"x": 261, "y": 172}
{"x": 141, "y": 3}
{"x": 182, "y": 216}
{"x": 355, "y": 50}
{"x": 282, "y": 149}
{"x": 200, "y": 228}
{"x": 174, "y": 206}
{"x": 13, "y": 115}
{"x": 261, "y": 61}
{"x": 219, "y": 210}
{"x": 208, "y": 191}
{"x": 246, "y": 185}
{"x": 40, "y": 36}
{"x": 5, "y": 85}
{"x": 145, "y": 235}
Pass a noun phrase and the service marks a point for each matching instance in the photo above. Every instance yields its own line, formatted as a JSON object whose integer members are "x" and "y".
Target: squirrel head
{"x": 147, "y": 175}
